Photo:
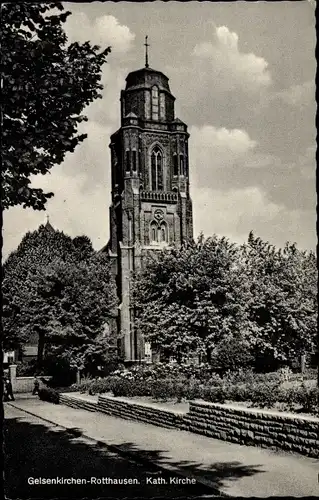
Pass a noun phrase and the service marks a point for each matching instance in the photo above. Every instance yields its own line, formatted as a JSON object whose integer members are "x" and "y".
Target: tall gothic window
{"x": 154, "y": 103}
{"x": 186, "y": 166}
{"x": 158, "y": 232}
{"x": 147, "y": 105}
{"x": 153, "y": 235}
{"x": 157, "y": 170}
{"x": 181, "y": 163}
{"x": 128, "y": 161}
{"x": 175, "y": 164}
{"x": 163, "y": 232}
{"x": 134, "y": 160}
{"x": 162, "y": 105}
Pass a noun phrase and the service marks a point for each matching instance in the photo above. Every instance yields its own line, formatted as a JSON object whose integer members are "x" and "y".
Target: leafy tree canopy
{"x": 46, "y": 85}
{"x": 60, "y": 289}
{"x": 211, "y": 294}
{"x": 189, "y": 298}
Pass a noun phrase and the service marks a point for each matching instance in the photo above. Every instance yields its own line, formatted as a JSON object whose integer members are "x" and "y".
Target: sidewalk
{"x": 232, "y": 469}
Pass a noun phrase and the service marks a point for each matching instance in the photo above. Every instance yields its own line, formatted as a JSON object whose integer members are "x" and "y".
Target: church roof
{"x": 48, "y": 226}
{"x": 146, "y": 77}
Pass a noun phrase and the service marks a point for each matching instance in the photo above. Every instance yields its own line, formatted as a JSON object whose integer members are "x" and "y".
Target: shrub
{"x": 50, "y": 395}
{"x": 231, "y": 354}
{"x": 217, "y": 394}
{"x": 309, "y": 399}
{"x": 239, "y": 376}
{"x": 306, "y": 398}
{"x": 214, "y": 380}
{"x": 248, "y": 376}
{"x": 167, "y": 370}
{"x": 163, "y": 389}
{"x": 238, "y": 392}
{"x": 264, "y": 395}
{"x": 194, "y": 390}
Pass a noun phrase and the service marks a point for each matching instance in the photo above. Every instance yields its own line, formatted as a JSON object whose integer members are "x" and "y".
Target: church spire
{"x": 146, "y": 52}
{"x": 48, "y": 226}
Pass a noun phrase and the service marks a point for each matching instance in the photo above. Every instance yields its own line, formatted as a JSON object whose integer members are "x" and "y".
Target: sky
{"x": 243, "y": 77}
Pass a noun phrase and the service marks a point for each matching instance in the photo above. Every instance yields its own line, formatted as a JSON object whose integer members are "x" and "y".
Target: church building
{"x": 151, "y": 206}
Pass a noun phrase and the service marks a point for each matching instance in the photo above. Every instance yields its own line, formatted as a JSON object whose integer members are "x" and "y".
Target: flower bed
{"x": 257, "y": 390}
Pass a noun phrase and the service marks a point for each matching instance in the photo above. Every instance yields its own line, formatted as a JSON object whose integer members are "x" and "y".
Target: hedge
{"x": 260, "y": 394}
{"x": 50, "y": 395}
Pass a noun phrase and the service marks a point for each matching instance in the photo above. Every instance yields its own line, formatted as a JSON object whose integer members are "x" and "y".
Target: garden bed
{"x": 159, "y": 387}
{"x": 183, "y": 406}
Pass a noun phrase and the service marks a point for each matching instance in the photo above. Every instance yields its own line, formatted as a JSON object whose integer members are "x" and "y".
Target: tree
{"x": 210, "y": 295}
{"x": 62, "y": 290}
{"x": 282, "y": 305}
{"x": 189, "y": 299}
{"x": 46, "y": 84}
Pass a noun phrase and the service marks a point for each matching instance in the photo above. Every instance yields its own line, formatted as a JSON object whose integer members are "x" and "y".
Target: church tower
{"x": 151, "y": 205}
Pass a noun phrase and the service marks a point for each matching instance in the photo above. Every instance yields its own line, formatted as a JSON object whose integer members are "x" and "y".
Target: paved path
{"x": 35, "y": 449}
{"x": 232, "y": 469}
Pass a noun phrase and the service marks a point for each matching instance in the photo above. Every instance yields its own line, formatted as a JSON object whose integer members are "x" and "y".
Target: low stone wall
{"x": 25, "y": 384}
{"x": 75, "y": 402}
{"x": 142, "y": 412}
{"x": 264, "y": 428}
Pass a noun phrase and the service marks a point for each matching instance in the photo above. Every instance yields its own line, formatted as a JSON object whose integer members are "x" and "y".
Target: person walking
{"x": 8, "y": 389}
{"x": 36, "y": 386}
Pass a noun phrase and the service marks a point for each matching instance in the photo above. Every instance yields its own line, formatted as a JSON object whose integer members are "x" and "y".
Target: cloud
{"x": 215, "y": 149}
{"x": 82, "y": 188}
{"x": 235, "y": 213}
{"x": 113, "y": 80}
{"x": 220, "y": 84}
{"x": 307, "y": 164}
{"x": 231, "y": 67}
{"x": 298, "y": 95}
{"x": 236, "y": 187}
{"x": 74, "y": 210}
{"x": 103, "y": 31}
{"x": 231, "y": 214}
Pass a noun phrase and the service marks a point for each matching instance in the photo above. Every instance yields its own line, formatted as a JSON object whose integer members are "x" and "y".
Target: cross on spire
{"x": 146, "y": 51}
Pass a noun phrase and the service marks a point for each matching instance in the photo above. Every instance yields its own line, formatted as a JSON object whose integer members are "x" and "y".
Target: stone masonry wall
{"x": 255, "y": 427}
{"x": 74, "y": 402}
{"x": 22, "y": 385}
{"x": 141, "y": 412}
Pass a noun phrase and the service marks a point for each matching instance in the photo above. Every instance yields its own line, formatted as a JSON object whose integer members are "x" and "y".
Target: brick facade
{"x": 151, "y": 205}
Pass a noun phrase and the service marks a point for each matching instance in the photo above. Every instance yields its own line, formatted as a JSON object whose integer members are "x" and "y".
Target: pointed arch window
{"x": 128, "y": 161}
{"x": 147, "y": 105}
{"x": 134, "y": 160}
{"x": 186, "y": 166}
{"x": 175, "y": 164}
{"x": 163, "y": 232}
{"x": 162, "y": 106}
{"x": 157, "y": 170}
{"x": 155, "y": 106}
{"x": 153, "y": 235}
{"x": 158, "y": 232}
{"x": 181, "y": 164}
